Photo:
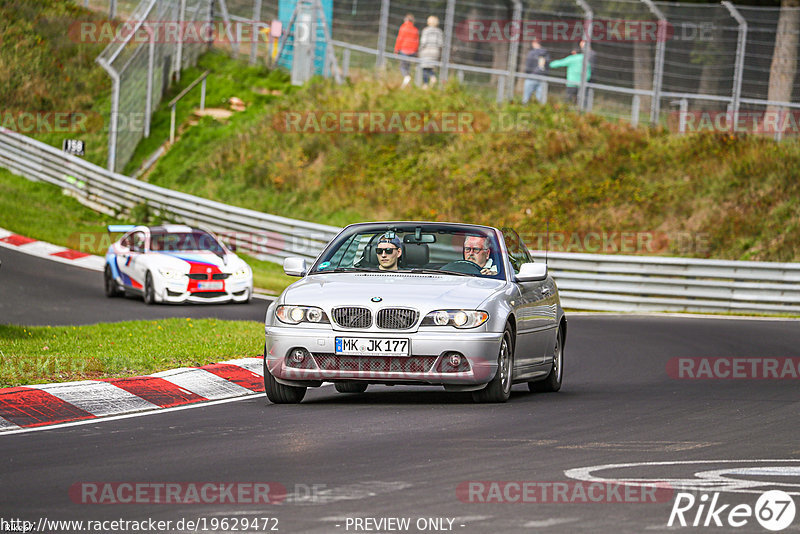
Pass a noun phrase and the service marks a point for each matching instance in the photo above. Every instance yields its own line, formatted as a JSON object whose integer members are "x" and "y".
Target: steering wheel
{"x": 462, "y": 266}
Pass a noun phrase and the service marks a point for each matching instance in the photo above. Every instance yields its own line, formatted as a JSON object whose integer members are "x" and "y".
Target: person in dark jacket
{"x": 536, "y": 62}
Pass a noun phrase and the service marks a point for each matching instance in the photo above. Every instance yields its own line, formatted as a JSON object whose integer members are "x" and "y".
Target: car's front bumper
{"x": 176, "y": 292}
{"x": 428, "y": 363}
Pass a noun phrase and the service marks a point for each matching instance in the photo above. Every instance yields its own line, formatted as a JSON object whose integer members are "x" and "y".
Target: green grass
{"x": 48, "y": 215}
{"x": 32, "y": 355}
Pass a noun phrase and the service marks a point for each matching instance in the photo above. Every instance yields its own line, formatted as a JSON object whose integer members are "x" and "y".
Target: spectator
{"x": 536, "y": 63}
{"x": 407, "y": 44}
{"x": 574, "y": 65}
{"x": 477, "y": 250}
{"x": 430, "y": 50}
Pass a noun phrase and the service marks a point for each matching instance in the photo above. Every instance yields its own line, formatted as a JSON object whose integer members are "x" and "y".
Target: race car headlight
{"x": 300, "y": 314}
{"x": 457, "y": 318}
{"x": 241, "y": 273}
{"x": 169, "y": 273}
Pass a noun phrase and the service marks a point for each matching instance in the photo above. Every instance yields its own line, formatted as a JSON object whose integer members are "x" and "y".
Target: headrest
{"x": 415, "y": 255}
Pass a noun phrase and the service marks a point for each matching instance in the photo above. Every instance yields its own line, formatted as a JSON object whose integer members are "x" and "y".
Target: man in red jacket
{"x": 407, "y": 44}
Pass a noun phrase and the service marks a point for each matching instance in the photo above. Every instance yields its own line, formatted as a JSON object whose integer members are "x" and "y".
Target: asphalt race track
{"x": 35, "y": 291}
{"x": 352, "y": 463}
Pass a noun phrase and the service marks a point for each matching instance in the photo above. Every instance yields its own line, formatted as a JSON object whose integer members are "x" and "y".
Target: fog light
{"x": 455, "y": 359}
{"x": 298, "y": 355}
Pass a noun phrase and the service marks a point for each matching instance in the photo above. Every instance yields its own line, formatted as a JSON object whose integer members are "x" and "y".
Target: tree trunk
{"x": 784, "y": 58}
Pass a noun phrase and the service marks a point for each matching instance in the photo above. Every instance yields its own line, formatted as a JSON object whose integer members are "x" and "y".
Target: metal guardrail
{"x": 585, "y": 281}
{"x": 641, "y": 283}
{"x": 268, "y": 237}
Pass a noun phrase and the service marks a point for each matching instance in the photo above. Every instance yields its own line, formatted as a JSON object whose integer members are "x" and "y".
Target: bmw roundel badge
{"x": 376, "y": 299}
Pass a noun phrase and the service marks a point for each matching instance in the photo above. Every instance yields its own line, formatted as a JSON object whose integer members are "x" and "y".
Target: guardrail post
{"x": 738, "y": 71}
{"x": 203, "y": 95}
{"x": 172, "y": 124}
{"x": 380, "y": 59}
{"x": 448, "y": 37}
{"x": 501, "y": 85}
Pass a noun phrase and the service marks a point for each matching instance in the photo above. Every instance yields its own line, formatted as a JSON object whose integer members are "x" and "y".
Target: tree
{"x": 784, "y": 58}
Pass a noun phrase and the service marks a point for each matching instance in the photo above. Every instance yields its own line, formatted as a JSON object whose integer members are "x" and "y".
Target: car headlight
{"x": 300, "y": 314}
{"x": 169, "y": 273}
{"x": 457, "y": 318}
{"x": 240, "y": 273}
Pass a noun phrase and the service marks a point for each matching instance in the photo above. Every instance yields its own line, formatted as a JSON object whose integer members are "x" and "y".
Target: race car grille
{"x": 396, "y": 318}
{"x": 376, "y": 364}
{"x": 198, "y": 276}
{"x": 352, "y": 317}
{"x": 220, "y": 276}
{"x": 209, "y": 294}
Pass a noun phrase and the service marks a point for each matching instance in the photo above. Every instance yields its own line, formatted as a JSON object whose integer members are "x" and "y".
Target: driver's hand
{"x": 488, "y": 272}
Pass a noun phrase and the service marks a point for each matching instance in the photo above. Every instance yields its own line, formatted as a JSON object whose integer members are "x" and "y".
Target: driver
{"x": 477, "y": 250}
{"x": 389, "y": 251}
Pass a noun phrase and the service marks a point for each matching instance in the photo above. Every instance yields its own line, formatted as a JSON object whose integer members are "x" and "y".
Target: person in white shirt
{"x": 477, "y": 250}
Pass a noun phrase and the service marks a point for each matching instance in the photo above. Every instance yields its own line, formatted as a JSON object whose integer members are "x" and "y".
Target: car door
{"x": 129, "y": 262}
{"x": 536, "y": 316}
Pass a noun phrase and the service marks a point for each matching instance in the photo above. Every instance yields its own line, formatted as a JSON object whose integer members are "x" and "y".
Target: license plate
{"x": 370, "y": 346}
{"x": 210, "y": 285}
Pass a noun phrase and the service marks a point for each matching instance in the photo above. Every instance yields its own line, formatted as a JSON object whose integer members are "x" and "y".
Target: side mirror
{"x": 532, "y": 272}
{"x": 294, "y": 266}
{"x": 230, "y": 245}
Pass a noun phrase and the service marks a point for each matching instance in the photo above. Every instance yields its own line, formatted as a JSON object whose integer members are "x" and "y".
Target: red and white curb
{"x": 49, "y": 404}
{"x": 9, "y": 239}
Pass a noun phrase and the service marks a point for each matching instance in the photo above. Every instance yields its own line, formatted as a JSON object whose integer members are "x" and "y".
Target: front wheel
{"x": 278, "y": 393}
{"x": 553, "y": 380}
{"x": 499, "y": 389}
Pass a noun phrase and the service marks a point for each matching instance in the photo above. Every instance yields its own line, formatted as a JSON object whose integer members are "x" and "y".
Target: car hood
{"x": 199, "y": 259}
{"x": 420, "y": 291}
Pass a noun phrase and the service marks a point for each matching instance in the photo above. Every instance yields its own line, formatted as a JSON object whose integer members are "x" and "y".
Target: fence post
{"x": 256, "y": 31}
{"x": 151, "y": 53}
{"x": 588, "y": 16}
{"x": 226, "y": 17}
{"x": 345, "y": 62}
{"x": 738, "y": 70}
{"x": 684, "y": 109}
{"x": 114, "y": 115}
{"x": 636, "y": 102}
{"x": 513, "y": 52}
{"x": 383, "y": 29}
{"x": 179, "y": 45}
{"x": 658, "y": 70}
{"x": 448, "y": 37}
{"x": 112, "y": 9}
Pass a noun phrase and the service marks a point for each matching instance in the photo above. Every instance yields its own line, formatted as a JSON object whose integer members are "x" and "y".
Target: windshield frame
{"x": 406, "y": 228}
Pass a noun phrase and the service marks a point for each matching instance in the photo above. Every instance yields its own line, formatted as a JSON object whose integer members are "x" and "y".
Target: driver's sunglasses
{"x": 386, "y": 250}
{"x": 476, "y": 250}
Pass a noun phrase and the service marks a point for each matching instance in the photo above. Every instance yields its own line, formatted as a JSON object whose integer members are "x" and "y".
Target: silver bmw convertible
{"x": 416, "y": 303}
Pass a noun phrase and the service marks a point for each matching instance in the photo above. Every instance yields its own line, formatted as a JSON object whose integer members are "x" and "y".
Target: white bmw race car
{"x": 175, "y": 263}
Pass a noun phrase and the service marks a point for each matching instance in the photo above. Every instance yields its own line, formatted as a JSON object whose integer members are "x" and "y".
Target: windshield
{"x": 437, "y": 248}
{"x": 184, "y": 241}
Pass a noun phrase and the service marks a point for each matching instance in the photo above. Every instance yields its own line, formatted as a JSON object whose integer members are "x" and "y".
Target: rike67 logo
{"x": 774, "y": 510}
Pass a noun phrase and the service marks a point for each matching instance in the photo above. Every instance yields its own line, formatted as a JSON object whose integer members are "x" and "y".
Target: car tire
{"x": 279, "y": 393}
{"x": 351, "y": 387}
{"x": 499, "y": 389}
{"x": 149, "y": 290}
{"x": 553, "y": 381}
{"x": 111, "y": 288}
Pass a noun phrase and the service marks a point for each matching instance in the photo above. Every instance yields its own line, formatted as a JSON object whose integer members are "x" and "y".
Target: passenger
{"x": 477, "y": 250}
{"x": 389, "y": 251}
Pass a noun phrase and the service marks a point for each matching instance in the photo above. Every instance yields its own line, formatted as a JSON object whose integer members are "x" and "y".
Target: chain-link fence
{"x": 648, "y": 61}
{"x": 149, "y": 45}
